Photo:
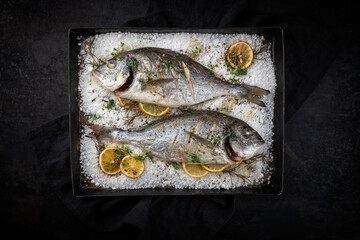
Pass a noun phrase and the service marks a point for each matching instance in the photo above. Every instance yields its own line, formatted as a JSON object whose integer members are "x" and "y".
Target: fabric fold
{"x": 203, "y": 215}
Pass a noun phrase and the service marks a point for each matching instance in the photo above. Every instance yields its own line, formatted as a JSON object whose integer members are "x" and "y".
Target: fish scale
{"x": 167, "y": 78}
{"x": 179, "y": 138}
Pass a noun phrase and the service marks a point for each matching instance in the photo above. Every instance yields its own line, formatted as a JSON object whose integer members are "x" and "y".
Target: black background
{"x": 321, "y": 181}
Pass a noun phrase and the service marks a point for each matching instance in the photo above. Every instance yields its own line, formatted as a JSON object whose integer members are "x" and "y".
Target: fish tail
{"x": 104, "y": 135}
{"x": 99, "y": 133}
{"x": 254, "y": 93}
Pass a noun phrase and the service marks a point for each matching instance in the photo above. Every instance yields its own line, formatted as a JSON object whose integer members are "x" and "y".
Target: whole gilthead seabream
{"x": 199, "y": 137}
{"x": 167, "y": 78}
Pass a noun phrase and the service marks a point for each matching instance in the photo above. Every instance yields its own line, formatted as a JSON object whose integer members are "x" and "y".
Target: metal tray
{"x": 80, "y": 188}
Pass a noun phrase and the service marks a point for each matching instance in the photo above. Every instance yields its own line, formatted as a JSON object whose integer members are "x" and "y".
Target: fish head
{"x": 113, "y": 74}
{"x": 243, "y": 142}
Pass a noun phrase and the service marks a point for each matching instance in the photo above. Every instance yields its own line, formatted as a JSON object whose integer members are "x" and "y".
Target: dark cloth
{"x": 321, "y": 181}
{"x": 152, "y": 215}
{"x": 51, "y": 143}
{"x": 312, "y": 37}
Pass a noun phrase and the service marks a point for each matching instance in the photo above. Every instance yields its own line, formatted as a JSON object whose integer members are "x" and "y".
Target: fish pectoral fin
{"x": 201, "y": 140}
{"x": 160, "y": 81}
{"x": 157, "y": 84}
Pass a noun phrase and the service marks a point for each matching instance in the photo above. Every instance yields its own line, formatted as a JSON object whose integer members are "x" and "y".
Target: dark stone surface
{"x": 321, "y": 184}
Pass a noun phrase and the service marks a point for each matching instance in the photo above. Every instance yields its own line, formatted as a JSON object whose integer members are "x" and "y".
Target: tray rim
{"x": 277, "y": 33}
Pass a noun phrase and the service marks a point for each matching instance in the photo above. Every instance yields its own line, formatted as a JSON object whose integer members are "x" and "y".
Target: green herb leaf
{"x": 94, "y": 116}
{"x": 239, "y": 71}
{"x": 162, "y": 67}
{"x": 194, "y": 157}
{"x": 169, "y": 64}
{"x": 211, "y": 66}
{"x": 217, "y": 140}
{"x": 227, "y": 109}
{"x": 110, "y": 104}
{"x": 234, "y": 80}
{"x": 127, "y": 149}
{"x": 151, "y": 73}
{"x": 228, "y": 132}
{"x": 140, "y": 157}
{"x": 148, "y": 154}
{"x": 119, "y": 154}
{"x": 194, "y": 53}
{"x": 176, "y": 166}
{"x": 134, "y": 64}
{"x": 182, "y": 72}
{"x": 233, "y": 58}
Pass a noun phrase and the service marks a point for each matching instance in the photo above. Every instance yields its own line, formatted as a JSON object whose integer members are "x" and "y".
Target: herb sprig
{"x": 127, "y": 149}
{"x": 194, "y": 157}
{"x": 119, "y": 154}
{"x": 195, "y": 52}
{"x": 233, "y": 80}
{"x": 110, "y": 104}
{"x": 233, "y": 58}
{"x": 217, "y": 140}
{"x": 182, "y": 72}
{"x": 228, "y": 132}
{"x": 169, "y": 64}
{"x": 94, "y": 116}
{"x": 151, "y": 73}
{"x": 239, "y": 71}
{"x": 140, "y": 157}
{"x": 149, "y": 155}
{"x": 176, "y": 166}
{"x": 134, "y": 64}
{"x": 211, "y": 66}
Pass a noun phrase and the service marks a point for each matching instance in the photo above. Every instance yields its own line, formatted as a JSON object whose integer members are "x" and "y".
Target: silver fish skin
{"x": 167, "y": 78}
{"x": 199, "y": 137}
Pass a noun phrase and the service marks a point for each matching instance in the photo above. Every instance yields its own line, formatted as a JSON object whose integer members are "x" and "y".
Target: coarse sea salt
{"x": 94, "y": 100}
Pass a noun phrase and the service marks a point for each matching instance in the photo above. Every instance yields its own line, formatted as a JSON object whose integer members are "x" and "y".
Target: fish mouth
{"x": 232, "y": 156}
{"x": 96, "y": 74}
{"x": 258, "y": 146}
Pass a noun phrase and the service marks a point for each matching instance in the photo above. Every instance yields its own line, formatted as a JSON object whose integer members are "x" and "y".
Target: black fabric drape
{"x": 321, "y": 194}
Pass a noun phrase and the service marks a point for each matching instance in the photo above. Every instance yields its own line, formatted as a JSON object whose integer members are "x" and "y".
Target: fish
{"x": 197, "y": 136}
{"x": 167, "y": 78}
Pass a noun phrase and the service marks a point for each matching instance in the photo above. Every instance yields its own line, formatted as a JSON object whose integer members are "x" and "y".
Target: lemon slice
{"x": 214, "y": 167}
{"x": 153, "y": 110}
{"x": 240, "y": 54}
{"x": 131, "y": 167}
{"x": 109, "y": 160}
{"x": 128, "y": 104}
{"x": 194, "y": 170}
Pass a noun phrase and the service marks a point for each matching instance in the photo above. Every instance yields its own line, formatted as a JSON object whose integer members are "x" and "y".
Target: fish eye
{"x": 111, "y": 64}
{"x": 248, "y": 131}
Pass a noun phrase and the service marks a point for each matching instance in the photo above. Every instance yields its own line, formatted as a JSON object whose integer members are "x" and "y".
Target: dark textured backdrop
{"x": 321, "y": 184}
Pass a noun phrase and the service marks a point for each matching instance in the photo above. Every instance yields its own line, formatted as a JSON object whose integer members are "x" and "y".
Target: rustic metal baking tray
{"x": 80, "y": 185}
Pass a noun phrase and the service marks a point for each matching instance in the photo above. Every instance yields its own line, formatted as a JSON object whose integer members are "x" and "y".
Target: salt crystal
{"x": 260, "y": 73}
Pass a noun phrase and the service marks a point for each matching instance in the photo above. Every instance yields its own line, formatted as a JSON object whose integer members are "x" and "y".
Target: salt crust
{"x": 158, "y": 173}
